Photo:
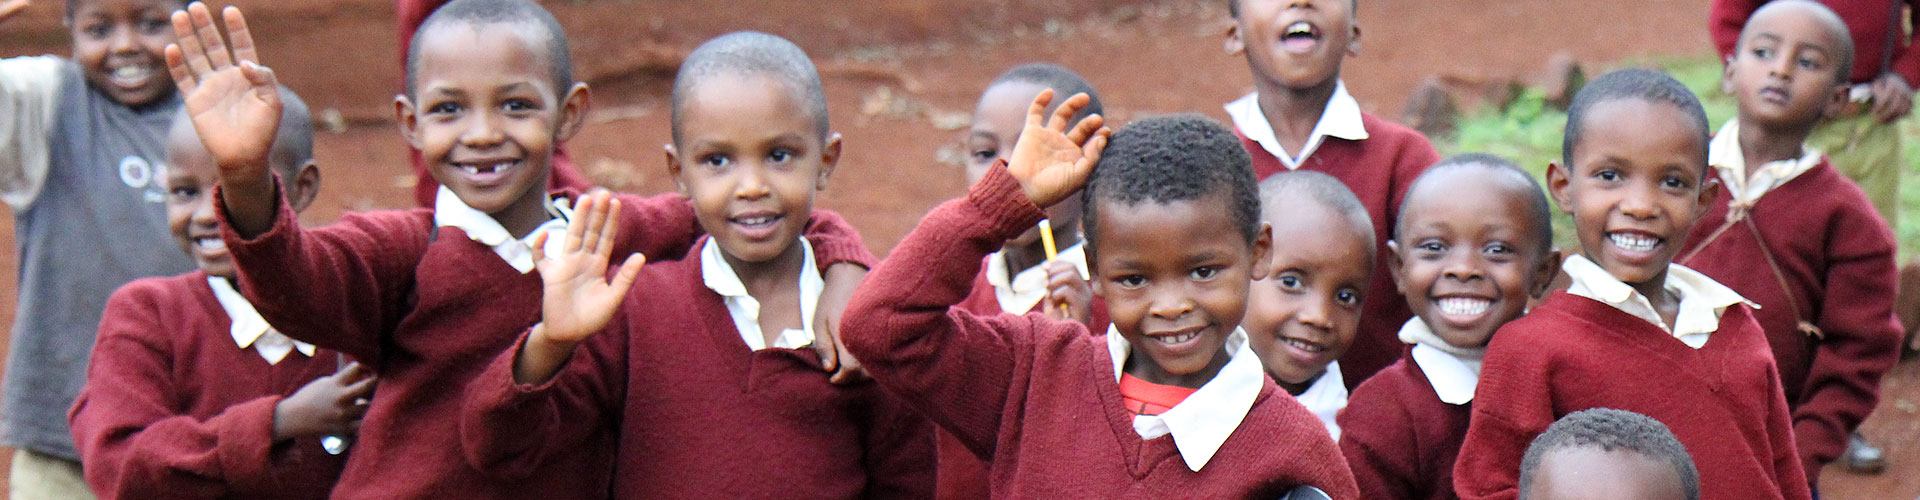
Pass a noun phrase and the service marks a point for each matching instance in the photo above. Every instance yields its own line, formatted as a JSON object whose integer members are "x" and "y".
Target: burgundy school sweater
{"x": 173, "y": 408}
{"x": 697, "y": 413}
{"x": 1573, "y": 353}
{"x": 1837, "y": 255}
{"x": 1378, "y": 169}
{"x": 432, "y": 308}
{"x": 1867, "y": 20}
{"x": 1400, "y": 438}
{"x": 1039, "y": 398}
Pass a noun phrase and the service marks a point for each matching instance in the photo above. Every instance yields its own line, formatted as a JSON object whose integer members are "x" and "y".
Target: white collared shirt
{"x": 1453, "y": 372}
{"x": 1326, "y": 397}
{"x": 249, "y": 329}
{"x": 1702, "y": 300}
{"x": 449, "y": 211}
{"x": 1026, "y": 289}
{"x": 1201, "y": 423}
{"x": 721, "y": 278}
{"x": 1726, "y": 157}
{"x": 1341, "y": 119}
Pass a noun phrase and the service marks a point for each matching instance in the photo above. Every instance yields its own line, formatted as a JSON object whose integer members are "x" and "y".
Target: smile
{"x": 1176, "y": 338}
{"x": 1300, "y": 37}
{"x": 1634, "y": 242}
{"x": 130, "y": 76}
{"x": 1463, "y": 306}
{"x": 1304, "y": 345}
{"x": 209, "y": 243}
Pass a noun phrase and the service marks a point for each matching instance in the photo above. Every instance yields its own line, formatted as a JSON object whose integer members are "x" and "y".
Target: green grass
{"x": 1529, "y": 133}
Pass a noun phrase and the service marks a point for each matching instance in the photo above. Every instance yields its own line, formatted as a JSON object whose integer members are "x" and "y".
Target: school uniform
{"x": 1377, "y": 160}
{"x": 1803, "y": 242}
{"x": 1325, "y": 397}
{"x": 1709, "y": 377}
{"x": 1404, "y": 426}
{"x": 430, "y": 297}
{"x": 1041, "y": 399}
{"x": 180, "y": 398}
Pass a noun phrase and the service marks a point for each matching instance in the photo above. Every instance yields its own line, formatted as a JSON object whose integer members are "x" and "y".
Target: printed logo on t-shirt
{"x": 138, "y": 173}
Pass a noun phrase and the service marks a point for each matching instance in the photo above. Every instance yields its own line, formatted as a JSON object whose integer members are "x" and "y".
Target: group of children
{"x": 1170, "y": 309}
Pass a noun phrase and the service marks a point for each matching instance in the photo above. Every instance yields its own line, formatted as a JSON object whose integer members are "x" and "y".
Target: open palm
{"x": 578, "y": 298}
{"x": 1050, "y": 161}
{"x": 233, "y": 100}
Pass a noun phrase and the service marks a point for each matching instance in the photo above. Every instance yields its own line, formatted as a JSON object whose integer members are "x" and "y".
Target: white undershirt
{"x": 722, "y": 279}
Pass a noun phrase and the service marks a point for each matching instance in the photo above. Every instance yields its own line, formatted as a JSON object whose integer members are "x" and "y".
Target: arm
{"x": 1862, "y": 337}
{"x": 29, "y": 89}
{"x": 1512, "y": 405}
{"x": 1725, "y": 19}
{"x": 1377, "y": 438}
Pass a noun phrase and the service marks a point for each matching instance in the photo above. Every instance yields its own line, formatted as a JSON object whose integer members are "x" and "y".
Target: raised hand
{"x": 579, "y": 299}
{"x": 1050, "y": 161}
{"x": 10, "y": 7}
{"x": 234, "y": 101}
{"x": 327, "y": 406}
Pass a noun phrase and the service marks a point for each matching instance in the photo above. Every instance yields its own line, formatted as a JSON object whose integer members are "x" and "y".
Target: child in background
{"x": 1301, "y": 318}
{"x": 705, "y": 376}
{"x": 1621, "y": 453}
{"x": 1791, "y": 234}
{"x": 1635, "y": 331}
{"x": 427, "y": 297}
{"x": 80, "y": 156}
{"x": 1473, "y": 245}
{"x": 1300, "y": 116}
{"x": 190, "y": 394}
{"x": 1171, "y": 402}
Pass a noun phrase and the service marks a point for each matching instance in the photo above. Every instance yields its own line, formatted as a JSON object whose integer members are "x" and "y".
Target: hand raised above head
{"x": 234, "y": 101}
{"x": 578, "y": 298}
{"x": 1050, "y": 161}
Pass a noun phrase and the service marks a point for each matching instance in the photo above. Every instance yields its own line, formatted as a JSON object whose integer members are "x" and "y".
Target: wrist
{"x": 540, "y": 357}
{"x": 283, "y": 425}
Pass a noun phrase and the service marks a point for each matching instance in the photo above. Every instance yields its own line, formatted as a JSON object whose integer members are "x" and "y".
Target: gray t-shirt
{"x": 89, "y": 220}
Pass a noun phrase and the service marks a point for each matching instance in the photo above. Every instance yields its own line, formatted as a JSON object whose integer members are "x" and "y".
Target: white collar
{"x": 1201, "y": 423}
{"x": 251, "y": 330}
{"x": 1341, "y": 119}
{"x": 1702, "y": 299}
{"x": 1025, "y": 289}
{"x": 1453, "y": 372}
{"x": 1726, "y": 157}
{"x": 745, "y": 310}
{"x": 450, "y": 211}
{"x": 1326, "y": 397}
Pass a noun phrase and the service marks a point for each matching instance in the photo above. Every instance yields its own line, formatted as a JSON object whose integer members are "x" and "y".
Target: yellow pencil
{"x": 1046, "y": 241}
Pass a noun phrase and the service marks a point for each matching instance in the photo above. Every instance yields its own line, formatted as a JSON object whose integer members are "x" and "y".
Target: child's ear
{"x": 673, "y": 169}
{"x": 1726, "y": 75}
{"x": 1838, "y": 102}
{"x": 1353, "y": 42}
{"x": 1544, "y": 272}
{"x": 304, "y": 187}
{"x": 1396, "y": 266}
{"x": 573, "y": 112}
{"x": 1709, "y": 189}
{"x": 1558, "y": 178}
{"x": 1234, "y": 45}
{"x": 1262, "y": 246}
{"x": 407, "y": 119}
{"x": 829, "y": 158}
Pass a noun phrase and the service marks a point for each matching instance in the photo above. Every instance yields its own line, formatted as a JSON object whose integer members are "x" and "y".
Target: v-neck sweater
{"x": 1400, "y": 438}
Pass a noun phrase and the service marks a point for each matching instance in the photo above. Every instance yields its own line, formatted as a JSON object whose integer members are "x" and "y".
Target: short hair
{"x": 1836, "y": 28}
{"x": 752, "y": 53}
{"x": 1064, "y": 82}
{"x": 487, "y": 12}
{"x": 73, "y": 7}
{"x": 292, "y": 140}
{"x": 1172, "y": 158}
{"x": 1321, "y": 189}
{"x": 1633, "y": 83}
{"x": 1612, "y": 430}
{"x": 1538, "y": 211}
{"x": 1233, "y": 8}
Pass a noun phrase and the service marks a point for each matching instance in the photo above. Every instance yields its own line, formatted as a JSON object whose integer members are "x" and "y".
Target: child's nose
{"x": 203, "y": 211}
{"x": 121, "y": 40}
{"x": 752, "y": 184}
{"x": 1461, "y": 265}
{"x": 483, "y": 130}
{"x": 1317, "y": 313}
{"x": 1170, "y": 306}
{"x": 1638, "y": 203}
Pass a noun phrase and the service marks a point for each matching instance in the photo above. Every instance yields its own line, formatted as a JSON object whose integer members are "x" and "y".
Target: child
{"x": 1473, "y": 245}
{"x": 1301, "y": 117}
{"x": 84, "y": 135}
{"x": 1793, "y": 235}
{"x": 705, "y": 376}
{"x": 1634, "y": 331}
{"x": 428, "y": 296}
{"x": 1621, "y": 453}
{"x": 171, "y": 405}
{"x": 1301, "y": 318}
{"x": 1171, "y": 402}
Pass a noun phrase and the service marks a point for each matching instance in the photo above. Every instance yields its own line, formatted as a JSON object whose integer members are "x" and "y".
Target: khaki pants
{"x": 1868, "y": 152}
{"x": 43, "y": 477}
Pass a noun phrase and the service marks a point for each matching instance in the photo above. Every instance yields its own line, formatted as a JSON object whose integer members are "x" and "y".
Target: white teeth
{"x": 1304, "y": 345}
{"x": 131, "y": 75}
{"x": 1299, "y": 28}
{"x": 1634, "y": 242}
{"x": 486, "y": 168}
{"x": 755, "y": 221}
{"x": 1463, "y": 306}
{"x": 210, "y": 243}
{"x": 1175, "y": 339}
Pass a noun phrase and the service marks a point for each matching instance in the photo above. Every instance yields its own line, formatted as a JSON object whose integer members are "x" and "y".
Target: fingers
{"x": 1090, "y": 155}
{"x": 177, "y": 65}
{"x": 11, "y": 7}
{"x": 609, "y": 227}
{"x": 629, "y": 270}
{"x": 192, "y": 53}
{"x": 241, "y": 38}
{"x": 209, "y": 34}
{"x": 1086, "y": 129}
{"x": 540, "y": 245}
{"x": 353, "y": 371}
{"x": 828, "y": 348}
{"x": 1039, "y": 108}
{"x": 358, "y": 390}
{"x": 577, "y": 228}
{"x": 1063, "y": 115}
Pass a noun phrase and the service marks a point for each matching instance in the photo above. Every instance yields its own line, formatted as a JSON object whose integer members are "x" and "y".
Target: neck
{"x": 765, "y": 279}
{"x": 525, "y": 214}
{"x": 1144, "y": 368}
{"x": 1294, "y": 112}
{"x": 1023, "y": 257}
{"x": 1300, "y": 388}
{"x": 1655, "y": 290}
{"x": 1760, "y": 145}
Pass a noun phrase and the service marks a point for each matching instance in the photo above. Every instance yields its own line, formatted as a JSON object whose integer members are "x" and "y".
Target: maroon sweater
{"x": 1378, "y": 170}
{"x": 1399, "y": 436}
{"x": 698, "y": 414}
{"x": 432, "y": 308}
{"x": 174, "y": 409}
{"x": 1867, "y": 20}
{"x": 1837, "y": 255}
{"x": 1572, "y": 353}
{"x": 1039, "y": 397}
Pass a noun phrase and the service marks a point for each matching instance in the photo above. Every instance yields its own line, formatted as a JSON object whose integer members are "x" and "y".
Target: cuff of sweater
{"x": 1002, "y": 204}
{"x": 245, "y": 434}
{"x": 284, "y": 219}
{"x": 1818, "y": 445}
{"x": 496, "y": 398}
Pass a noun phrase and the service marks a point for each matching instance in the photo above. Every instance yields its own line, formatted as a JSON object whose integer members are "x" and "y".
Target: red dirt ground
{"x": 901, "y": 76}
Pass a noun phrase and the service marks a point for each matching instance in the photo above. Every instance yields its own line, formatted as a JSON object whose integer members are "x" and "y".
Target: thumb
{"x": 629, "y": 271}
{"x": 540, "y": 246}
{"x": 265, "y": 85}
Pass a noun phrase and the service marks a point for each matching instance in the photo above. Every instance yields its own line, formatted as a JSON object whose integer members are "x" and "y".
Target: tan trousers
{"x": 43, "y": 477}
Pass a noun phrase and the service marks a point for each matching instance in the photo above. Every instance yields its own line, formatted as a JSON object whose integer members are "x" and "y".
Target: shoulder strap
{"x": 1743, "y": 217}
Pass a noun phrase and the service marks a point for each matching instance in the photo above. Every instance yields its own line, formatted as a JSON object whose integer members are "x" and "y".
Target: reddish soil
{"x": 902, "y": 75}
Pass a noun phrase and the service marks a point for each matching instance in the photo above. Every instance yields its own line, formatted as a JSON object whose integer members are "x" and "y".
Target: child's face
{"x": 191, "y": 175}
{"x": 1468, "y": 256}
{"x": 751, "y": 161}
{"x": 486, "y": 114}
{"x": 1304, "y": 314}
{"x": 1635, "y": 187}
{"x": 119, "y": 45}
{"x": 1784, "y": 72}
{"x": 1298, "y": 44}
{"x": 1175, "y": 277}
{"x": 997, "y": 122}
{"x": 1596, "y": 474}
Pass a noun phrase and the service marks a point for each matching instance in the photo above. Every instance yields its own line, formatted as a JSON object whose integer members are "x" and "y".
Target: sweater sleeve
{"x": 29, "y": 88}
{"x": 1862, "y": 336}
{"x": 1793, "y": 481}
{"x": 1725, "y": 19}
{"x": 135, "y": 443}
{"x": 900, "y": 455}
{"x": 1512, "y": 405}
{"x": 664, "y": 227}
{"x": 513, "y": 429}
{"x": 1377, "y": 437}
{"x": 957, "y": 368}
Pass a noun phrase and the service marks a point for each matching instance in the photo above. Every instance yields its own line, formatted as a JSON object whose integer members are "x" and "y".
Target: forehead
{"x": 725, "y": 105}
{"x": 1585, "y": 473}
{"x": 1470, "y": 196}
{"x": 1309, "y": 235}
{"x": 1639, "y": 131}
{"x": 1004, "y": 106}
{"x": 460, "y": 54}
{"x": 78, "y": 8}
{"x": 1792, "y": 22}
{"x": 1170, "y": 234}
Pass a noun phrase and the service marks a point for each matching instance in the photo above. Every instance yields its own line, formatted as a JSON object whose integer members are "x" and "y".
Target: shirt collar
{"x": 1727, "y": 159}
{"x": 251, "y": 330}
{"x": 745, "y": 310}
{"x": 450, "y": 211}
{"x": 1453, "y": 372}
{"x": 1326, "y": 397}
{"x": 1025, "y": 289}
{"x": 1201, "y": 423}
{"x": 1341, "y": 119}
{"x": 1702, "y": 299}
